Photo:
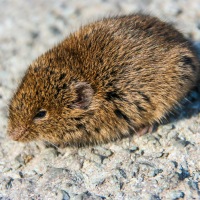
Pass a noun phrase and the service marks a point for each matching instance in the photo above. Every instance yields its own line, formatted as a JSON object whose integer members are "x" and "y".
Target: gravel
{"x": 162, "y": 165}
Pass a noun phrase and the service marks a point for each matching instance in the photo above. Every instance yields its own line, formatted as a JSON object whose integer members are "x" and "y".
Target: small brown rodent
{"x": 110, "y": 79}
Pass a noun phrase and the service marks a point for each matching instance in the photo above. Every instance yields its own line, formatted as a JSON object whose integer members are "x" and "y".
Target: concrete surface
{"x": 162, "y": 165}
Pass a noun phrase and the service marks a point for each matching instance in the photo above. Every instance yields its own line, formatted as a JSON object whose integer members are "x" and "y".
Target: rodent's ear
{"x": 84, "y": 93}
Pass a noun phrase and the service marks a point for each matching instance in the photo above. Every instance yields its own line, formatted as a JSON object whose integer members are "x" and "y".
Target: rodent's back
{"x": 136, "y": 61}
{"x": 107, "y": 80}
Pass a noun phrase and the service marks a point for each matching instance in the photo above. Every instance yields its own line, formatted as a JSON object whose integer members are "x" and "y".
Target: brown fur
{"x": 106, "y": 81}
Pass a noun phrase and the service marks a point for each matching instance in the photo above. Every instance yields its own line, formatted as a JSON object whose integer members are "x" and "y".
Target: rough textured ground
{"x": 162, "y": 165}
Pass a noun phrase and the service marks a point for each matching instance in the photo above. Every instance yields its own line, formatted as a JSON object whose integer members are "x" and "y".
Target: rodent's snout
{"x": 16, "y": 134}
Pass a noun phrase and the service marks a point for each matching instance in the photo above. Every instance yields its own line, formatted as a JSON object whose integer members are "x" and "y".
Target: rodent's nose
{"x": 16, "y": 134}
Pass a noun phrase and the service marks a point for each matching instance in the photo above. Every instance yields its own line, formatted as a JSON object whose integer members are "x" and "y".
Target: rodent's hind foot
{"x": 146, "y": 129}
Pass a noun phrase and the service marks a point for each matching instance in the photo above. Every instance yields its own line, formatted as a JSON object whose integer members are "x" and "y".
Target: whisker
{"x": 51, "y": 143}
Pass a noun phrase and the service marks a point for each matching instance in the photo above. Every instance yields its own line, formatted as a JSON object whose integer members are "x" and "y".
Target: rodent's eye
{"x": 41, "y": 114}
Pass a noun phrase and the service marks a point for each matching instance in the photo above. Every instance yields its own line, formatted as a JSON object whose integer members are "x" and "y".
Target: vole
{"x": 110, "y": 79}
